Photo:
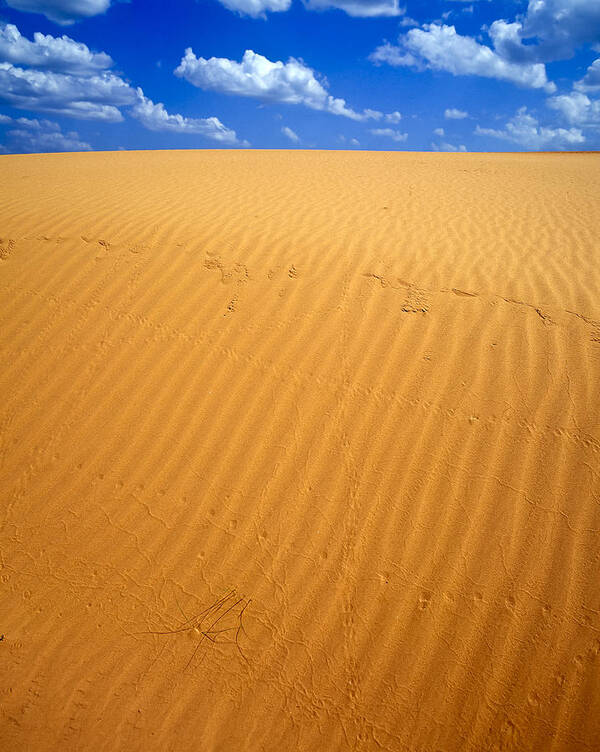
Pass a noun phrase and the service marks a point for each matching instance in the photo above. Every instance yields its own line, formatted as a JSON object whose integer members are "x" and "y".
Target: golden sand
{"x": 300, "y": 451}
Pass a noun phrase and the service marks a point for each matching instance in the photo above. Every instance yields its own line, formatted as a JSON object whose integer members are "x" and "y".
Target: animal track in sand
{"x": 509, "y": 732}
{"x": 230, "y": 273}
{"x": 416, "y": 299}
{"x": 595, "y": 325}
{"x": 544, "y": 316}
{"x": 424, "y": 600}
{"x": 234, "y": 272}
{"x": 7, "y": 246}
{"x": 103, "y": 251}
{"x": 105, "y": 247}
{"x": 140, "y": 248}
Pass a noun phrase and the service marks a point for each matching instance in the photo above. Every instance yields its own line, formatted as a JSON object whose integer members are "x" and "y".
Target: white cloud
{"x": 391, "y": 117}
{"x": 591, "y": 80}
{"x": 552, "y": 28}
{"x": 60, "y": 54}
{"x": 359, "y": 8}
{"x": 454, "y": 114}
{"x": 289, "y": 133}
{"x": 393, "y": 55}
{"x": 408, "y": 21}
{"x": 390, "y": 133}
{"x": 351, "y": 141}
{"x": 439, "y": 132}
{"x": 36, "y": 136}
{"x": 95, "y": 97}
{"x": 441, "y": 48}
{"x": 256, "y": 8}
{"x": 577, "y": 108}
{"x": 524, "y": 129}
{"x": 356, "y": 8}
{"x": 66, "y": 77}
{"x": 256, "y": 76}
{"x": 506, "y": 38}
{"x": 444, "y": 146}
{"x": 62, "y": 12}
{"x": 75, "y": 84}
{"x": 156, "y": 118}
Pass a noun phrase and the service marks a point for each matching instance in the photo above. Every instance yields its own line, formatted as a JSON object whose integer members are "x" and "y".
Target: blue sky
{"x": 447, "y": 75}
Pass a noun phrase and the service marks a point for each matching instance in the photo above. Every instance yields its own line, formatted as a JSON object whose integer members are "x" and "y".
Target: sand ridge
{"x": 351, "y": 397}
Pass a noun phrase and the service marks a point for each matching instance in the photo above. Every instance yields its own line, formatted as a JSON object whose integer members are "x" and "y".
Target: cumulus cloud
{"x": 59, "y": 75}
{"x": 63, "y": 12}
{"x": 289, "y": 133}
{"x": 444, "y": 146}
{"x": 524, "y": 130}
{"x": 453, "y": 114}
{"x": 256, "y": 76}
{"x": 577, "y": 108}
{"x": 506, "y": 38}
{"x": 393, "y": 117}
{"x": 256, "y": 8}
{"x": 66, "y": 78}
{"x": 591, "y": 80}
{"x": 390, "y": 133}
{"x": 439, "y": 132}
{"x": 156, "y": 118}
{"x": 439, "y": 47}
{"x": 36, "y": 136}
{"x": 359, "y": 8}
{"x": 60, "y": 54}
{"x": 95, "y": 97}
{"x": 549, "y": 30}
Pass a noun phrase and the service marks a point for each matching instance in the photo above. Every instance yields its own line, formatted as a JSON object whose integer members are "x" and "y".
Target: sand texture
{"x": 300, "y": 451}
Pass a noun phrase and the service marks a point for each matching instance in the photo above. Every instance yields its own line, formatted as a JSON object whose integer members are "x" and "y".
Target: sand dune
{"x": 300, "y": 451}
